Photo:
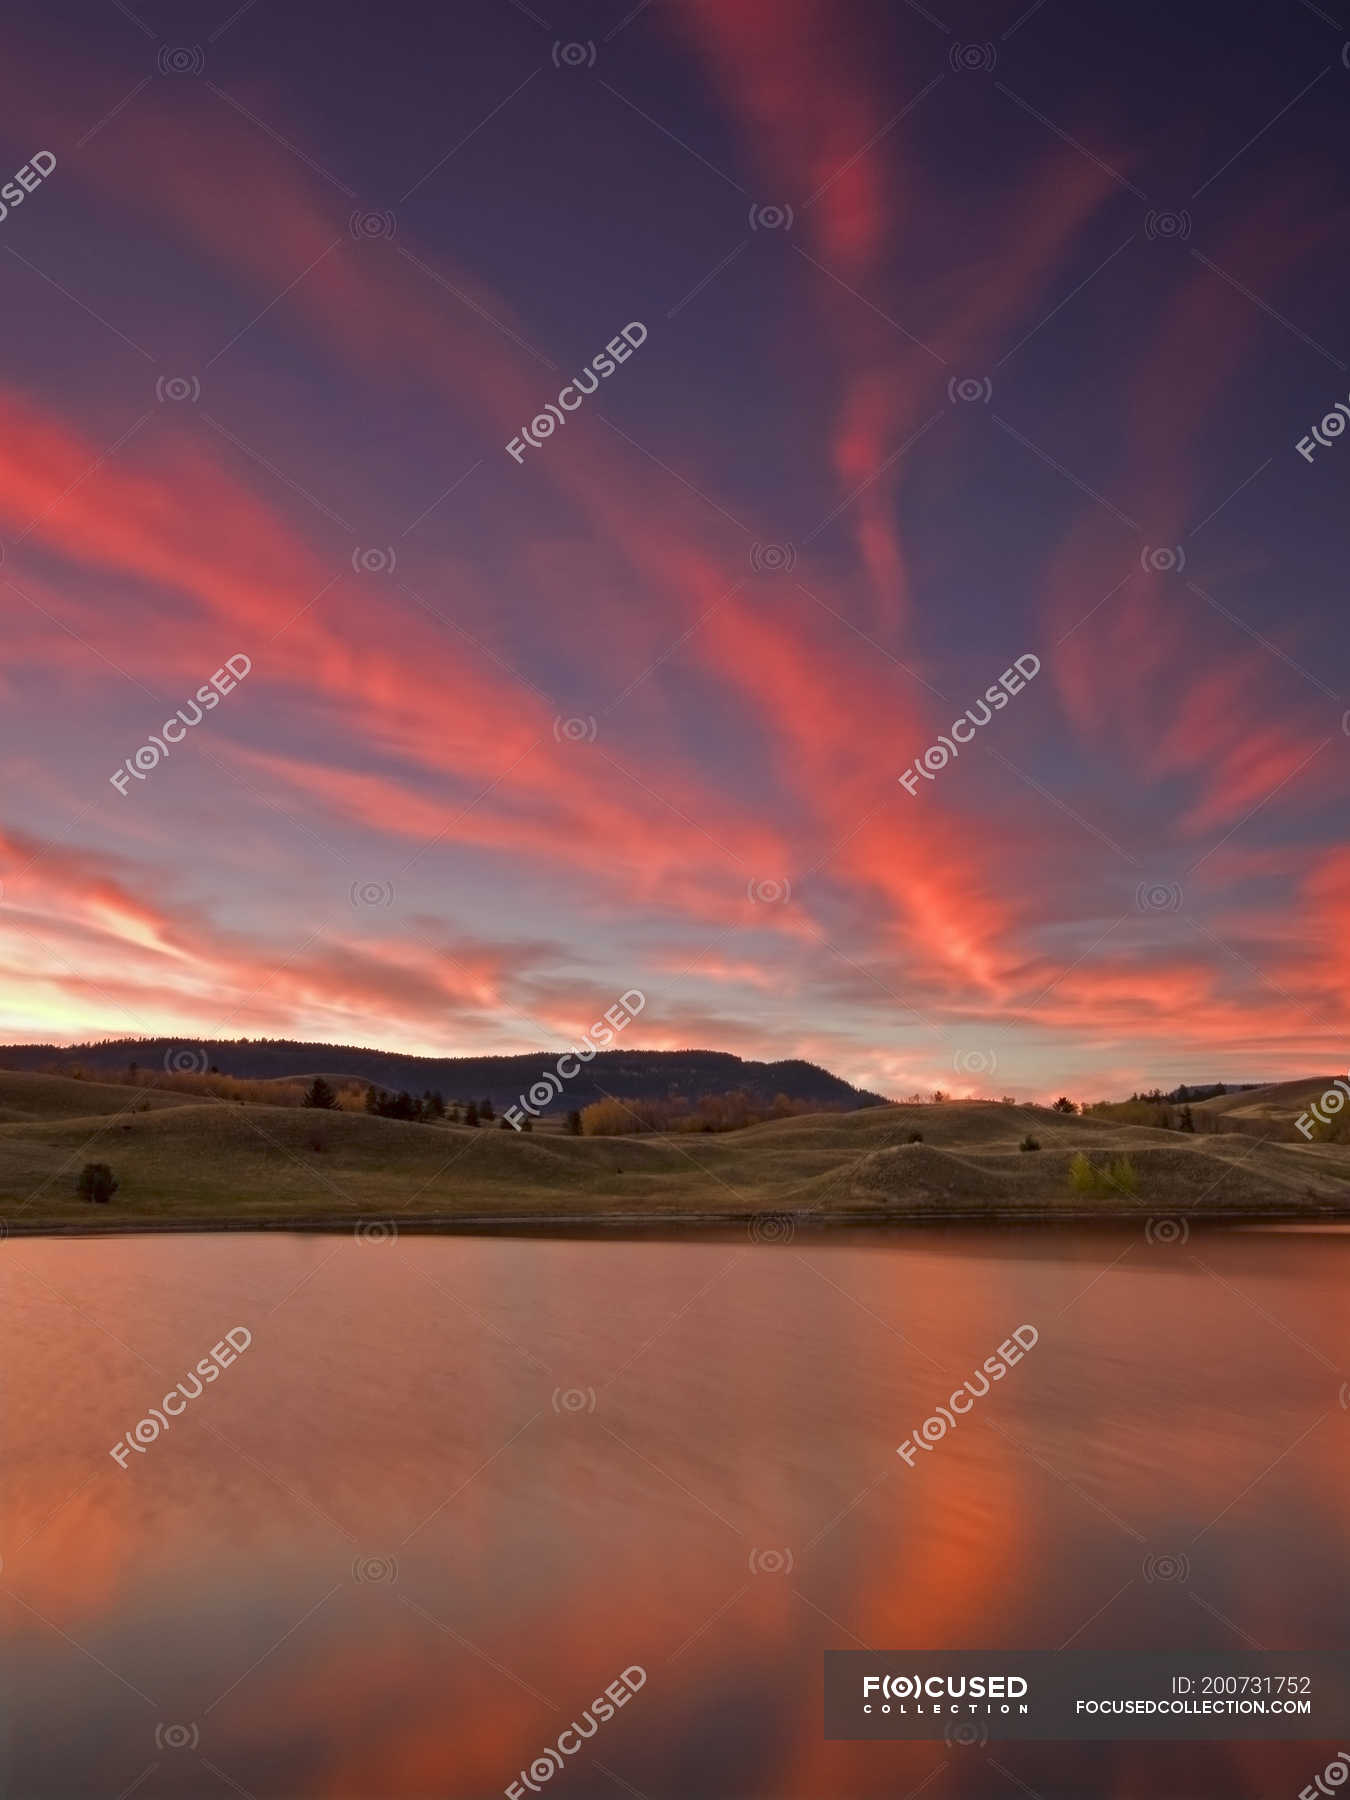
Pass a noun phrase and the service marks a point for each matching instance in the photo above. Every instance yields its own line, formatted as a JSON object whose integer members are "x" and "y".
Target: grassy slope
{"x": 1283, "y": 1101}
{"x": 25, "y": 1098}
{"x": 199, "y": 1161}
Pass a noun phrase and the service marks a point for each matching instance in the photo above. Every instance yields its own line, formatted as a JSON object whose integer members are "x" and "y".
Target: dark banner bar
{"x": 978, "y": 1696}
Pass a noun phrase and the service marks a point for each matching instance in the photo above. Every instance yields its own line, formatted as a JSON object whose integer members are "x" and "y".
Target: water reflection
{"x": 457, "y": 1485}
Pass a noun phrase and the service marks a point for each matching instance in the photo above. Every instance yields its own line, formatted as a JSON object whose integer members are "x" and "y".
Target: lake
{"x": 451, "y": 1488}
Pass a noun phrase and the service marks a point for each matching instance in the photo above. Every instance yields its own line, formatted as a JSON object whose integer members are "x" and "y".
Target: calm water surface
{"x": 455, "y": 1486}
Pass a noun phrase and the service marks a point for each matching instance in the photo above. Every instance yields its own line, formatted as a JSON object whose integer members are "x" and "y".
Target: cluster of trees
{"x": 713, "y": 1112}
{"x": 1116, "y": 1177}
{"x": 210, "y": 1084}
{"x": 1153, "y": 1109}
{"x": 385, "y": 1103}
{"x": 428, "y": 1108}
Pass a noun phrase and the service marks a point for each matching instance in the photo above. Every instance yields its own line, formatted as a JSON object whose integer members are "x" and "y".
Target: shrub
{"x": 1064, "y": 1105}
{"x": 1082, "y": 1175}
{"x": 915, "y": 1137}
{"x": 1116, "y": 1177}
{"x": 609, "y": 1118}
{"x": 1029, "y": 1143}
{"x": 1120, "y": 1175}
{"x": 97, "y": 1182}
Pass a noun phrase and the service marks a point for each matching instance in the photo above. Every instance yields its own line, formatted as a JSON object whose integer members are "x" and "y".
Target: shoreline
{"x": 765, "y": 1225}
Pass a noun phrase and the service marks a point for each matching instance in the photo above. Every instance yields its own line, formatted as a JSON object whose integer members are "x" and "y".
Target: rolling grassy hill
{"x": 626, "y": 1074}
{"x": 25, "y": 1098}
{"x": 1279, "y": 1104}
{"x": 185, "y": 1163}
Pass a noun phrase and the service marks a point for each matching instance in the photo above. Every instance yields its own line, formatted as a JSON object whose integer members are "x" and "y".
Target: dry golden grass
{"x": 197, "y": 1162}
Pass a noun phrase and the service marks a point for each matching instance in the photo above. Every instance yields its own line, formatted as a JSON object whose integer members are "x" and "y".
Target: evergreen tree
{"x": 1187, "y": 1120}
{"x": 320, "y": 1095}
{"x": 574, "y": 1123}
{"x": 471, "y": 1114}
{"x": 97, "y": 1182}
{"x": 485, "y": 1111}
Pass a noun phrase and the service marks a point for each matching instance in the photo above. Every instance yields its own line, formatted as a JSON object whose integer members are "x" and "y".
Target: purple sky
{"x": 968, "y": 339}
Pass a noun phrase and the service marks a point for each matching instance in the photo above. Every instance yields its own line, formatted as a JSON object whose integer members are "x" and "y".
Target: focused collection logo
{"x": 987, "y": 1694}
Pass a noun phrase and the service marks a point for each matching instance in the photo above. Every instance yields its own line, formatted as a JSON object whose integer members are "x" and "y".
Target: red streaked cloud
{"x": 748, "y": 730}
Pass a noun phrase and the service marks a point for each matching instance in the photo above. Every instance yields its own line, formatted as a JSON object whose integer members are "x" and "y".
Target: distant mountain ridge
{"x": 626, "y": 1074}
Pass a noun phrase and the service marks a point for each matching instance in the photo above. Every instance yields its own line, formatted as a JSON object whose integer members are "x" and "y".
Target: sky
{"x": 970, "y": 345}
